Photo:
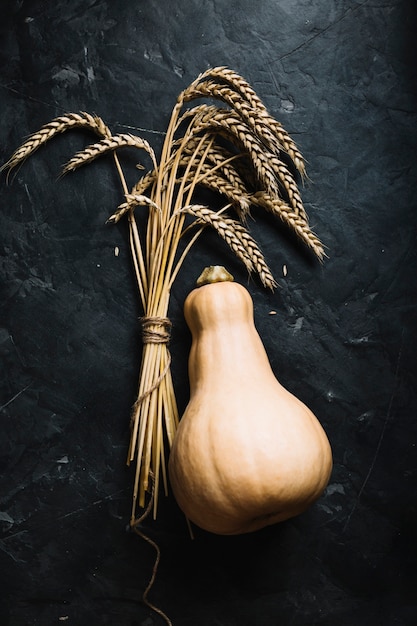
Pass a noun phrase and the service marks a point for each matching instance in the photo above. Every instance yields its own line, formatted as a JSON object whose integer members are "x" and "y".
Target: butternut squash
{"x": 247, "y": 453}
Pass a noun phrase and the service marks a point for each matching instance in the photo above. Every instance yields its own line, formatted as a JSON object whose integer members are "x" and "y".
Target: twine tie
{"x": 154, "y": 330}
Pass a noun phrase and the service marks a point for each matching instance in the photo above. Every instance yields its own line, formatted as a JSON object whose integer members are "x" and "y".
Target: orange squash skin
{"x": 247, "y": 453}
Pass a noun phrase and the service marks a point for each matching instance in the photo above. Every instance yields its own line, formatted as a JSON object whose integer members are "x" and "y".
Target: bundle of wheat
{"x": 237, "y": 150}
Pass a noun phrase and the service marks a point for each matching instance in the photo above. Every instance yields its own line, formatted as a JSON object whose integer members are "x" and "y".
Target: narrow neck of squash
{"x": 217, "y": 303}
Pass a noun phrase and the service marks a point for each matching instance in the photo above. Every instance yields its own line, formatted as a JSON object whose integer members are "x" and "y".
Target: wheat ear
{"x": 56, "y": 126}
{"x": 257, "y": 123}
{"x": 234, "y": 79}
{"x": 271, "y": 171}
{"x": 238, "y": 239}
{"x": 244, "y": 88}
{"x": 225, "y": 122}
{"x": 240, "y": 85}
{"x": 106, "y": 145}
{"x": 290, "y": 187}
{"x": 280, "y": 208}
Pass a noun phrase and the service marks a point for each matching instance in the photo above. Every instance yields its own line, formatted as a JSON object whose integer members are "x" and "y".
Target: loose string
{"x": 155, "y": 330}
{"x": 134, "y": 524}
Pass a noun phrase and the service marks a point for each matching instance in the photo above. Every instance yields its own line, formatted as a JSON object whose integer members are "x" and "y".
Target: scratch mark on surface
{"x": 83, "y": 509}
{"x": 54, "y": 105}
{"x": 26, "y": 96}
{"x": 323, "y": 31}
{"x": 19, "y": 393}
{"x": 381, "y": 437}
{"x": 143, "y": 130}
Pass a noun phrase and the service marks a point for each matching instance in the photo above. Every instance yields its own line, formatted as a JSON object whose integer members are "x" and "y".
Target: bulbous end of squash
{"x": 240, "y": 464}
{"x": 247, "y": 453}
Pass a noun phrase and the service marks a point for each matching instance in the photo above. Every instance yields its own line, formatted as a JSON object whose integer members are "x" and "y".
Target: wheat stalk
{"x": 238, "y": 196}
{"x": 271, "y": 172}
{"x": 220, "y": 159}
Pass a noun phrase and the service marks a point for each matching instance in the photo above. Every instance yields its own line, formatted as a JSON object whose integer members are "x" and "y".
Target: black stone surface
{"x": 341, "y": 77}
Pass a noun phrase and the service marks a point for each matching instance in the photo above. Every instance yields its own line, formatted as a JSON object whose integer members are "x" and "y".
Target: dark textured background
{"x": 341, "y": 77}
